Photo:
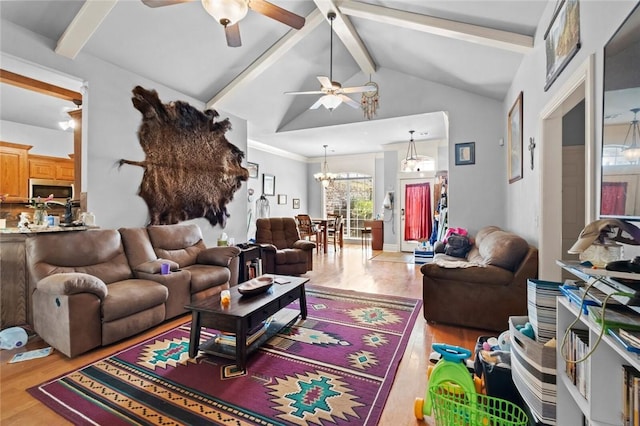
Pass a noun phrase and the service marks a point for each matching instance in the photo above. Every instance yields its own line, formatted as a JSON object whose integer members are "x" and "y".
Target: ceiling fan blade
{"x": 275, "y": 12}
{"x": 161, "y": 3}
{"x": 311, "y": 92}
{"x": 233, "y": 35}
{"x": 358, "y": 89}
{"x": 347, "y": 100}
{"x": 318, "y": 103}
{"x": 325, "y": 82}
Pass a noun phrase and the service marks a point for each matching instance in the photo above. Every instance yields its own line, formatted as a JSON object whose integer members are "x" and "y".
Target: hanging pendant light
{"x": 324, "y": 177}
{"x": 411, "y": 160}
{"x": 632, "y": 152}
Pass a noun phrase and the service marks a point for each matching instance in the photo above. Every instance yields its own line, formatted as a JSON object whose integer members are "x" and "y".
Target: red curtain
{"x": 614, "y": 197}
{"x": 417, "y": 217}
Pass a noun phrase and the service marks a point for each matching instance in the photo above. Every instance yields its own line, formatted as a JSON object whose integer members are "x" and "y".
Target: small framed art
{"x": 253, "y": 169}
{"x": 268, "y": 184}
{"x": 296, "y": 203}
{"x": 282, "y": 199}
{"x": 465, "y": 153}
{"x": 514, "y": 162}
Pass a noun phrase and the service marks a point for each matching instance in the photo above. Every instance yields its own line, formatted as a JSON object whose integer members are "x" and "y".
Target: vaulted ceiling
{"x": 471, "y": 45}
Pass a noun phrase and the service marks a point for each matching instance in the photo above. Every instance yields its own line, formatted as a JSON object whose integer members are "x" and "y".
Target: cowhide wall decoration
{"x": 190, "y": 169}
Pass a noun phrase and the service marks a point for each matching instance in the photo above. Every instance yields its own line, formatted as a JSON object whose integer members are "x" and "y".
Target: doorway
{"x": 416, "y": 212}
{"x": 555, "y": 186}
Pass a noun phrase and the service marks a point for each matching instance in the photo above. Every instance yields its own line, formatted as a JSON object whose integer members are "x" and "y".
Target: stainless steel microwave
{"x": 61, "y": 189}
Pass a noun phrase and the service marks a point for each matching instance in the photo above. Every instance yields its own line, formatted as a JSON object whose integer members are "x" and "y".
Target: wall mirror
{"x": 620, "y": 183}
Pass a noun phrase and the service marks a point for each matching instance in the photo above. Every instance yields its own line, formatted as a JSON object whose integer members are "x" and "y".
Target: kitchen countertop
{"x": 43, "y": 230}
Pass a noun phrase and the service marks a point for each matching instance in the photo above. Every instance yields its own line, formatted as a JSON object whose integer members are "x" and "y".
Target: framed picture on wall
{"x": 268, "y": 184}
{"x": 253, "y": 169}
{"x": 514, "y": 160}
{"x": 282, "y": 199}
{"x": 465, "y": 153}
{"x": 562, "y": 39}
{"x": 296, "y": 203}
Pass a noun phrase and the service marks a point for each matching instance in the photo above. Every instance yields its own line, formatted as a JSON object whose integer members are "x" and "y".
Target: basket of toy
{"x": 454, "y": 400}
{"x": 452, "y": 408}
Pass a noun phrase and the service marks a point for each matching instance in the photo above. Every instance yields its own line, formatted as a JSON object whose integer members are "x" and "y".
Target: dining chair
{"x": 308, "y": 230}
{"x": 335, "y": 232}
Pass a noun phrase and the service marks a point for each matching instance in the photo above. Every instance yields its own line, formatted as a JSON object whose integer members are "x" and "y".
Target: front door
{"x": 416, "y": 212}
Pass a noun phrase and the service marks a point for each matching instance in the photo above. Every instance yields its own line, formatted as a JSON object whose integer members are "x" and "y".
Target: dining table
{"x": 323, "y": 225}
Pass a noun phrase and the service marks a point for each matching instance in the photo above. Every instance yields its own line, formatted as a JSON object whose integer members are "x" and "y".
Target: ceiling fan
{"x": 334, "y": 93}
{"x": 230, "y": 12}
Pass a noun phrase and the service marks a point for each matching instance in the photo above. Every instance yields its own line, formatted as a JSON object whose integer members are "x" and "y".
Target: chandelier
{"x": 324, "y": 177}
{"x": 411, "y": 161}
{"x": 632, "y": 152}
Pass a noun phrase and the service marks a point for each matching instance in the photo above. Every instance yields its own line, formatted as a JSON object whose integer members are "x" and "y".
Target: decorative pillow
{"x": 153, "y": 266}
{"x": 73, "y": 283}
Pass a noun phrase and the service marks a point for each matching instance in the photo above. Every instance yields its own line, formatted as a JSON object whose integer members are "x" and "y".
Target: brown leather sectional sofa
{"x": 96, "y": 287}
{"x": 484, "y": 289}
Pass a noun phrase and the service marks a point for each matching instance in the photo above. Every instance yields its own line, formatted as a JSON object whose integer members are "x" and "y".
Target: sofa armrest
{"x": 304, "y": 245}
{"x": 72, "y": 283}
{"x": 220, "y": 256}
{"x": 175, "y": 277}
{"x": 268, "y": 247}
{"x": 154, "y": 266}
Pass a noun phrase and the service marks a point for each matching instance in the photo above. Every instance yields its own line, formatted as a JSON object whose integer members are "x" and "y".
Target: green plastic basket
{"x": 456, "y": 409}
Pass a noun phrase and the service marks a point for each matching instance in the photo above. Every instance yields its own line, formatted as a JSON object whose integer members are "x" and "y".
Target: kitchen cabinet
{"x": 53, "y": 168}
{"x": 14, "y": 174}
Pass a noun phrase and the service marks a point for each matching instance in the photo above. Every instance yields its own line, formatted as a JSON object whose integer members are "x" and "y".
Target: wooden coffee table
{"x": 244, "y": 314}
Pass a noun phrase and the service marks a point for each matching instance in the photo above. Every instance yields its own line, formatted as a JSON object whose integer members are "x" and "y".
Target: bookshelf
{"x": 603, "y": 374}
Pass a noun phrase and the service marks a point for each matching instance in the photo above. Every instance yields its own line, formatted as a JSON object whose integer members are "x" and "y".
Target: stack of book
{"x": 541, "y": 304}
{"x": 229, "y": 339}
{"x": 576, "y": 349}
{"x": 630, "y": 396}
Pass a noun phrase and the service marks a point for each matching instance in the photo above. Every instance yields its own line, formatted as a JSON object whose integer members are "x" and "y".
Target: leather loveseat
{"x": 92, "y": 290}
{"x": 484, "y": 289}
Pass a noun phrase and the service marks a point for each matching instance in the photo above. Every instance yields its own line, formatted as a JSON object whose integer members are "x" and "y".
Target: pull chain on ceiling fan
{"x": 334, "y": 93}
{"x": 229, "y": 12}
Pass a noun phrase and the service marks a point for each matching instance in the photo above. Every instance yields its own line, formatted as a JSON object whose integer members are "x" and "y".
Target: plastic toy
{"x": 455, "y": 399}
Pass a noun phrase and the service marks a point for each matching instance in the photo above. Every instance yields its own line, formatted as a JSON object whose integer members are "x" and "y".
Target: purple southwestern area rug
{"x": 334, "y": 368}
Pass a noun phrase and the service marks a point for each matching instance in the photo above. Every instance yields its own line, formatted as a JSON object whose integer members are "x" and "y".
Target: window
{"x": 351, "y": 195}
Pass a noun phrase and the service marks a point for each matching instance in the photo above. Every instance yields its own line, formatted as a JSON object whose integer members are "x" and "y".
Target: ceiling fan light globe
{"x": 227, "y": 12}
{"x": 331, "y": 102}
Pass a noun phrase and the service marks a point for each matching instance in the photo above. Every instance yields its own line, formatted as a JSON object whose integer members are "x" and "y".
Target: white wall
{"x": 598, "y": 21}
{"x": 54, "y": 143}
{"x": 110, "y": 124}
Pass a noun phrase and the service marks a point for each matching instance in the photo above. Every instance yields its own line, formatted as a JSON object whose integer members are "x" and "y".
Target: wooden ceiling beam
{"x": 443, "y": 27}
{"x": 344, "y": 29}
{"x": 84, "y": 24}
{"x": 268, "y": 58}
{"x": 23, "y": 82}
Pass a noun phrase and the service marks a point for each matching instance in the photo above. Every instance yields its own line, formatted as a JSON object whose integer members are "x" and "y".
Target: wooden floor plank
{"x": 349, "y": 268}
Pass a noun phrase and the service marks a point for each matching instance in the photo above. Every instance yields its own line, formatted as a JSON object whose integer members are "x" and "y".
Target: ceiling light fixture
{"x": 324, "y": 177}
{"x": 632, "y": 152}
{"x": 227, "y": 12}
{"x": 410, "y": 161}
{"x": 67, "y": 124}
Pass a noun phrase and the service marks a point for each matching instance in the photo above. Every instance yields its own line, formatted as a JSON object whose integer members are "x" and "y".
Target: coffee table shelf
{"x": 280, "y": 320}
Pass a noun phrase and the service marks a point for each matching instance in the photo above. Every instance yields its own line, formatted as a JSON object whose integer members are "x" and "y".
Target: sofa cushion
{"x": 289, "y": 256}
{"x": 206, "y": 276}
{"x": 132, "y": 296}
{"x": 503, "y": 249}
{"x": 180, "y": 243}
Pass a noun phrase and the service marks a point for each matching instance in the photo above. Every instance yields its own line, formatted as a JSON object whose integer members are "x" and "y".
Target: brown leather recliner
{"x": 283, "y": 252}
{"x": 86, "y": 294}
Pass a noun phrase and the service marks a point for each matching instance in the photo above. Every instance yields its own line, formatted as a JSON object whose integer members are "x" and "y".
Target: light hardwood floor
{"x": 350, "y": 268}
